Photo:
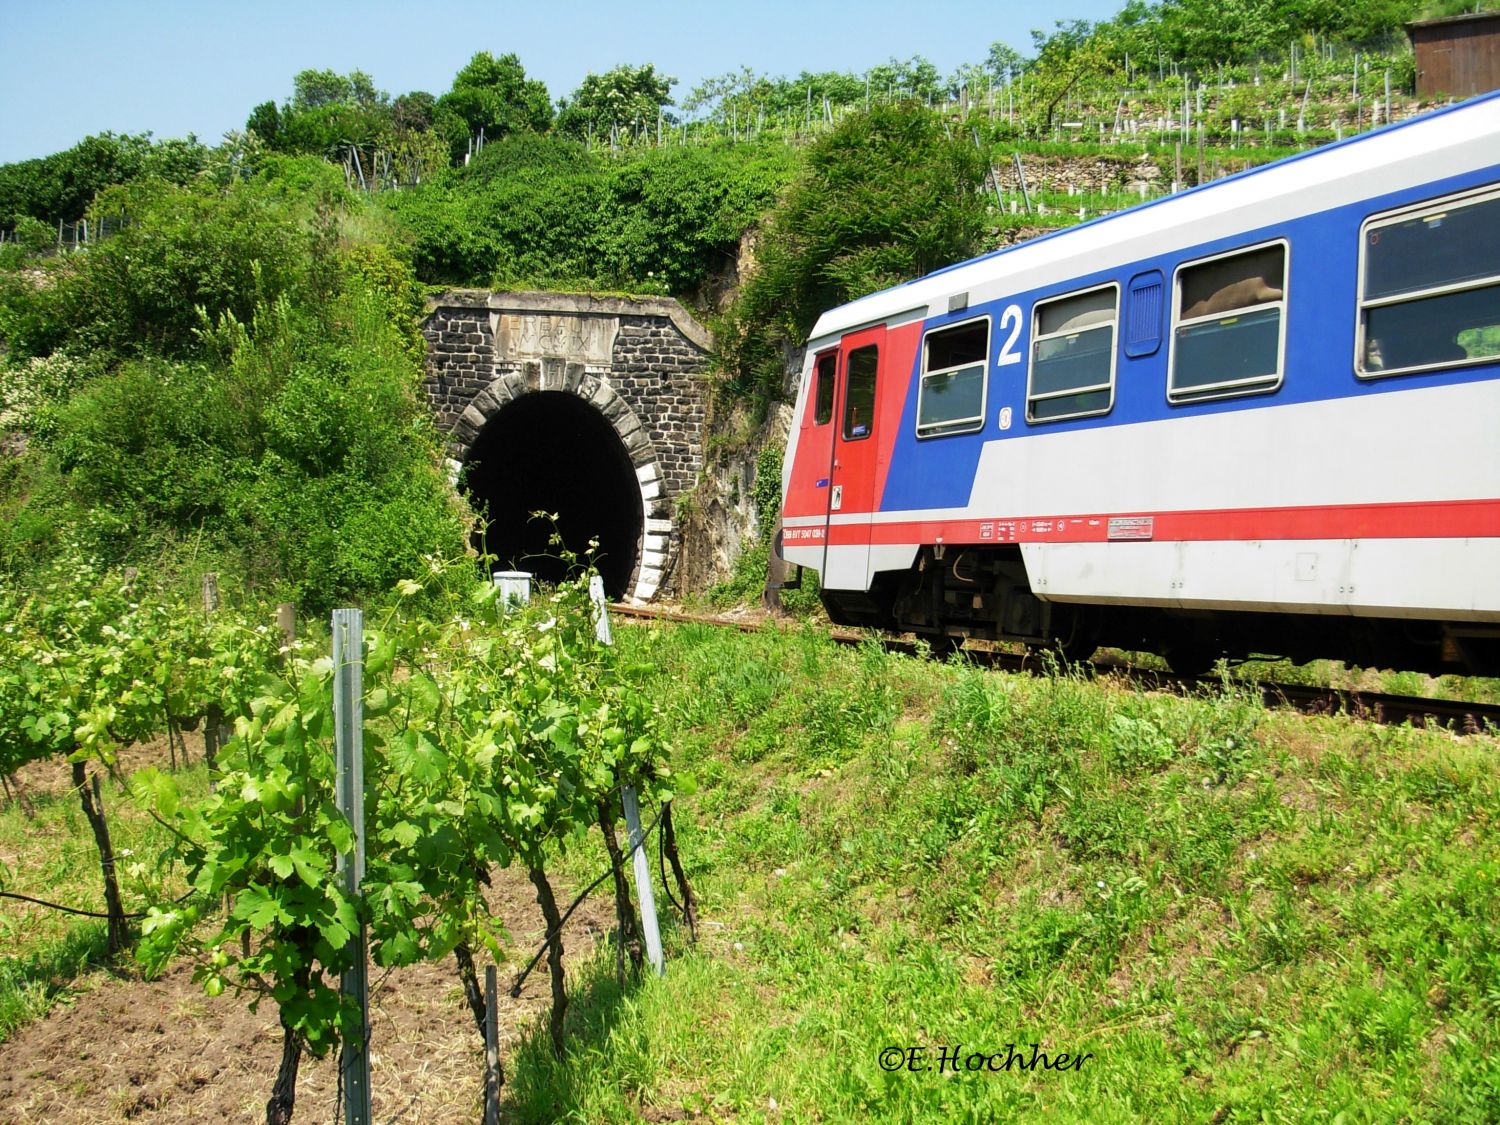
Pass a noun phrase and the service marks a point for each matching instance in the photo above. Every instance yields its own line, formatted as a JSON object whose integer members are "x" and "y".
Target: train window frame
{"x": 1247, "y": 385}
{"x": 817, "y": 415}
{"x": 1427, "y": 209}
{"x": 1038, "y": 338}
{"x": 954, "y": 426}
{"x": 845, "y": 428}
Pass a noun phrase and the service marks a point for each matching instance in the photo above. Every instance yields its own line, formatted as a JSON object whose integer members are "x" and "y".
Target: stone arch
{"x": 641, "y": 364}
{"x": 653, "y": 553}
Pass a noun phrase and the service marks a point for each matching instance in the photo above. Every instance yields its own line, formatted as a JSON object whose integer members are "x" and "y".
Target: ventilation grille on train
{"x": 1143, "y": 314}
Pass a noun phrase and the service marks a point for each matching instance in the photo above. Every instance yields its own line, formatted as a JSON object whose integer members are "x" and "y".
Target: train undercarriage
{"x": 983, "y": 592}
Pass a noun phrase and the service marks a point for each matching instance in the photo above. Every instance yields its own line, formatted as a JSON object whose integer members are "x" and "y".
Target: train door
{"x": 851, "y": 493}
{"x": 804, "y": 512}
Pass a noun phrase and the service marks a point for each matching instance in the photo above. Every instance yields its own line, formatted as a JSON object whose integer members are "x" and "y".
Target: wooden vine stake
{"x": 493, "y": 1075}
{"x": 215, "y": 731}
{"x": 629, "y": 931}
{"x": 669, "y": 845}
{"x": 548, "y": 903}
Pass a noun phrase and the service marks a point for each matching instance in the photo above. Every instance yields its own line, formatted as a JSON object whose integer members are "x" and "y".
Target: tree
{"x": 494, "y": 97}
{"x": 328, "y": 113}
{"x": 886, "y": 197}
{"x": 625, "y": 95}
{"x": 1074, "y": 53}
{"x": 713, "y": 93}
{"x": 742, "y": 97}
{"x": 1004, "y": 62}
{"x": 910, "y": 78}
{"x": 414, "y": 111}
{"x": 61, "y": 186}
{"x": 265, "y": 123}
{"x": 330, "y": 130}
{"x": 312, "y": 89}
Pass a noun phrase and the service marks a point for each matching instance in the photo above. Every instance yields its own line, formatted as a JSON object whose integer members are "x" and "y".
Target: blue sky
{"x": 69, "y": 68}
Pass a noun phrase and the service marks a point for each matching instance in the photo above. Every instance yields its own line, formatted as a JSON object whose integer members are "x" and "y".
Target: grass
{"x": 30, "y": 983}
{"x": 49, "y": 853}
{"x": 1238, "y": 915}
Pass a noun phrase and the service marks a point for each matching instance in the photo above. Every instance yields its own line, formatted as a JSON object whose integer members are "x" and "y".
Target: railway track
{"x": 1462, "y": 716}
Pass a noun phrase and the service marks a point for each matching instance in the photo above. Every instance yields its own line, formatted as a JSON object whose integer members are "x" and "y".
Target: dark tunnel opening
{"x": 552, "y": 452}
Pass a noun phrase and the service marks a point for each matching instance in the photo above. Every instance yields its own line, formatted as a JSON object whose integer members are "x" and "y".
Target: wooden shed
{"x": 1457, "y": 56}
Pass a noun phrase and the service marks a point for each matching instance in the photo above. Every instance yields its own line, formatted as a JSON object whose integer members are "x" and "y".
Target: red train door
{"x": 851, "y": 493}
{"x": 805, "y": 510}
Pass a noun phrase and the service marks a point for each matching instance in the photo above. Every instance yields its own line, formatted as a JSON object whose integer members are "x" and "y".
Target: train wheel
{"x": 1192, "y": 658}
{"x": 1081, "y": 640}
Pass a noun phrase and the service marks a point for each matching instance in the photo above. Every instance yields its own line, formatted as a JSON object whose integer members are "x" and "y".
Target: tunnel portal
{"x": 592, "y": 408}
{"x": 553, "y": 452}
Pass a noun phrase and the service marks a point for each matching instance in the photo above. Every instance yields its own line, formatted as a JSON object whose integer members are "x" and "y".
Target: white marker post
{"x": 636, "y": 837}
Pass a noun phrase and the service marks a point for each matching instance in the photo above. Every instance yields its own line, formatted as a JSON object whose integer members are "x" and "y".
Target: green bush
{"x": 62, "y": 186}
{"x": 251, "y": 390}
{"x": 32, "y": 318}
{"x": 345, "y": 493}
{"x": 183, "y": 250}
{"x": 545, "y": 211}
{"x": 676, "y": 215}
{"x": 141, "y": 443}
{"x": 34, "y": 236}
{"x": 843, "y": 231}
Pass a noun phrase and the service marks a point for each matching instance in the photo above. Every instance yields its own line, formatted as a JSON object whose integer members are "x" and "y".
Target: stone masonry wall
{"x": 661, "y": 374}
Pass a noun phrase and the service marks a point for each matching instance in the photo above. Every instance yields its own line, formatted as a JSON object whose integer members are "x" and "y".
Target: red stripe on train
{"x": 1447, "y": 519}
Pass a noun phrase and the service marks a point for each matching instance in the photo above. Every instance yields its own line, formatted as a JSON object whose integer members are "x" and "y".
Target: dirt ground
{"x": 121, "y": 1048}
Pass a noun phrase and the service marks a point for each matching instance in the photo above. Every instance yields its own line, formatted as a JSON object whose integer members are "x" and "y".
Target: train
{"x": 1259, "y": 417}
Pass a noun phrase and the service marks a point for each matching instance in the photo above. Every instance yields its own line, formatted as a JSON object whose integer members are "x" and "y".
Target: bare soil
{"x": 52, "y": 776}
{"x": 122, "y": 1048}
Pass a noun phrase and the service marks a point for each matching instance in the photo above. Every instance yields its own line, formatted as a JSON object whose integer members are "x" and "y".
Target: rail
{"x": 1462, "y": 716}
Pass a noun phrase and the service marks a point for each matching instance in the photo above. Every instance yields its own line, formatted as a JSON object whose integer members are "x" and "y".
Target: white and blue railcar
{"x": 1259, "y": 416}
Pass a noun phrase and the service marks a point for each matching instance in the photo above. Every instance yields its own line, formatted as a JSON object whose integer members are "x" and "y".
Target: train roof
{"x": 1426, "y": 148}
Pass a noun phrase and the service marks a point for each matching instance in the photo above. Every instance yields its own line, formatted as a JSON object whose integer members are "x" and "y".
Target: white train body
{"x": 1244, "y": 418}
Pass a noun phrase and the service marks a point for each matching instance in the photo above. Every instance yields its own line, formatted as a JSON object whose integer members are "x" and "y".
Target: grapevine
{"x": 493, "y": 737}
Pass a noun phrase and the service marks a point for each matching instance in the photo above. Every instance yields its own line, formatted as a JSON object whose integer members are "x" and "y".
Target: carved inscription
{"x": 582, "y": 339}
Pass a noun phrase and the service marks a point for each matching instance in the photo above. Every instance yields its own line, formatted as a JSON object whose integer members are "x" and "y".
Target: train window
{"x": 950, "y": 399}
{"x": 823, "y": 373}
{"x": 1229, "y": 325}
{"x": 1073, "y": 356}
{"x": 859, "y": 393}
{"x": 1430, "y": 287}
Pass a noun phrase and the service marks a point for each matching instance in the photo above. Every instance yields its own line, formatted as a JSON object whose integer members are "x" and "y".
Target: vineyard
{"x": 1230, "y": 911}
{"x": 493, "y": 736}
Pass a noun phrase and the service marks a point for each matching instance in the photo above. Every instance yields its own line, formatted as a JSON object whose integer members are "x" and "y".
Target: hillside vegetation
{"x": 1234, "y": 915}
{"x": 228, "y": 383}
{"x": 227, "y": 378}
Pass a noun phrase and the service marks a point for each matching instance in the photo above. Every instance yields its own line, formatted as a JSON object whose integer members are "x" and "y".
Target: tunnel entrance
{"x": 551, "y": 451}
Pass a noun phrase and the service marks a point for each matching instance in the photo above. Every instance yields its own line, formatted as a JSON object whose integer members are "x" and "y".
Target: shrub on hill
{"x": 248, "y": 387}
{"x": 548, "y": 212}
{"x": 844, "y": 231}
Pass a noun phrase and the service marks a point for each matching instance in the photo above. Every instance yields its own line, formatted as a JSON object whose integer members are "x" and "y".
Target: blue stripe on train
{"x": 1321, "y": 295}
